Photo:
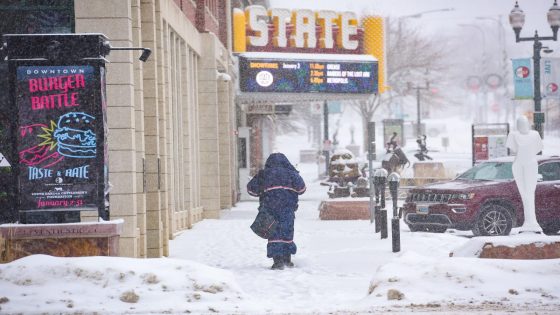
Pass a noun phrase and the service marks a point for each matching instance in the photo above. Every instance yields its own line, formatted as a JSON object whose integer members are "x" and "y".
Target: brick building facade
{"x": 171, "y": 141}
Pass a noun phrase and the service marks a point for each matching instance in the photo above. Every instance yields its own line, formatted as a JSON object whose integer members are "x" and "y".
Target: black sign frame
{"x": 95, "y": 198}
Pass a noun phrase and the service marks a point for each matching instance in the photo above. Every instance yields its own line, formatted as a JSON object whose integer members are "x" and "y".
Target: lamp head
{"x": 380, "y": 176}
{"x": 517, "y": 17}
{"x": 553, "y": 15}
{"x": 394, "y": 178}
{"x": 547, "y": 50}
{"x": 380, "y": 172}
{"x": 222, "y": 76}
{"x": 146, "y": 52}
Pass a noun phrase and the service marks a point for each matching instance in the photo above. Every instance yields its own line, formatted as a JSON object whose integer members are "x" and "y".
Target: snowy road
{"x": 342, "y": 267}
{"x": 335, "y": 264}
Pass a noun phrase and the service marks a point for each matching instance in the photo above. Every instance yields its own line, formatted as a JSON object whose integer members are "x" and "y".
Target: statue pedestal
{"x": 344, "y": 209}
{"x": 521, "y": 246}
{"x": 62, "y": 240}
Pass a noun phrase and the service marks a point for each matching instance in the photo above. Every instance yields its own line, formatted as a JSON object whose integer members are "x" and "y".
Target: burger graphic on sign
{"x": 75, "y": 135}
{"x": 522, "y": 72}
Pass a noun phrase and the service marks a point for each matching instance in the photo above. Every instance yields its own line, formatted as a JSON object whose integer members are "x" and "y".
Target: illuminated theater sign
{"x": 307, "y": 76}
{"x": 305, "y": 51}
{"x": 322, "y": 31}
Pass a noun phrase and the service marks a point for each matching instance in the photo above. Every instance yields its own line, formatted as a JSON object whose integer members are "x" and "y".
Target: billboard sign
{"x": 390, "y": 127}
{"x": 550, "y": 80}
{"x": 489, "y": 141}
{"x": 59, "y": 128}
{"x": 522, "y": 78}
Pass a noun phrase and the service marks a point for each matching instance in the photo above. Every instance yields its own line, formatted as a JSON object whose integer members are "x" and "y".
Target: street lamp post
{"x": 483, "y": 107}
{"x": 517, "y": 19}
{"x": 503, "y": 64}
{"x": 418, "y": 108}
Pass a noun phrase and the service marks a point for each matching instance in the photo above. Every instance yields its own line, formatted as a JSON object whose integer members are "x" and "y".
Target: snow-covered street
{"x": 342, "y": 267}
{"x": 345, "y": 266}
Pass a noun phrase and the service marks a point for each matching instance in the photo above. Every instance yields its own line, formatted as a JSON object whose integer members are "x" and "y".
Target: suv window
{"x": 489, "y": 171}
{"x": 550, "y": 171}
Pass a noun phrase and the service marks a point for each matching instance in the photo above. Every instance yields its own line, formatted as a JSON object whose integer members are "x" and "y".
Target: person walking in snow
{"x": 278, "y": 187}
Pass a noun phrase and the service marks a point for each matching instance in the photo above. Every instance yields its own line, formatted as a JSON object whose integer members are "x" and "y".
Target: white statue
{"x": 526, "y": 144}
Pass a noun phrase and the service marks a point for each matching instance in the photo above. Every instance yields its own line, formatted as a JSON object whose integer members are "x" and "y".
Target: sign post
{"x": 58, "y": 102}
{"x": 489, "y": 141}
{"x": 58, "y": 89}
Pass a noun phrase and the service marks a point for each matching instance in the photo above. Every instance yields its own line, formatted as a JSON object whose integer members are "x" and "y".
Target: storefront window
{"x": 24, "y": 17}
{"x": 36, "y": 16}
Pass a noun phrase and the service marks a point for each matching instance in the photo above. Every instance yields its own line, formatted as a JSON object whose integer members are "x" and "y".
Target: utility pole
{"x": 503, "y": 64}
{"x": 418, "y": 108}
{"x": 326, "y": 146}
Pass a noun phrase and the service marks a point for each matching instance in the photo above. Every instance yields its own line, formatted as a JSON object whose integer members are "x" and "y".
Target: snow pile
{"x": 473, "y": 248}
{"x": 423, "y": 279}
{"x": 341, "y": 267}
{"x": 110, "y": 285}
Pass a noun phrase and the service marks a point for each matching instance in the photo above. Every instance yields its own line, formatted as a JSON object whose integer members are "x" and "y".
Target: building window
{"x": 36, "y": 16}
{"x": 24, "y": 17}
{"x": 212, "y": 6}
{"x": 242, "y": 152}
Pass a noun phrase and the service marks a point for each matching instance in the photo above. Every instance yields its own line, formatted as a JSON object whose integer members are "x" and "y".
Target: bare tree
{"x": 410, "y": 57}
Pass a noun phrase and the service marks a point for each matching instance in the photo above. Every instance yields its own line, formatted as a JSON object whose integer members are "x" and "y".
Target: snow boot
{"x": 278, "y": 263}
{"x": 288, "y": 261}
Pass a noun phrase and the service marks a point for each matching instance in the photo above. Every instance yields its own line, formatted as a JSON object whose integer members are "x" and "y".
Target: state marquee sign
{"x": 305, "y": 51}
{"x": 270, "y": 73}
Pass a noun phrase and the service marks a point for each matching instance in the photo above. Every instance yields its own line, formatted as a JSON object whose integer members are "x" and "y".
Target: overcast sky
{"x": 464, "y": 12}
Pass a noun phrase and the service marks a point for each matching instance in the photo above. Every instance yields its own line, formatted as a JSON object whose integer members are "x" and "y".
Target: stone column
{"x": 208, "y": 126}
{"x": 151, "y": 132}
{"x": 114, "y": 19}
{"x": 163, "y": 94}
{"x": 139, "y": 124}
{"x": 225, "y": 142}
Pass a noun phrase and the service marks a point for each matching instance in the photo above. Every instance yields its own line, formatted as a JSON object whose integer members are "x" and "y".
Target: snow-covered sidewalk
{"x": 344, "y": 266}
{"x": 341, "y": 267}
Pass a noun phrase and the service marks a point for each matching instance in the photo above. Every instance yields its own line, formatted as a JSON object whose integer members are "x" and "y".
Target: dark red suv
{"x": 485, "y": 200}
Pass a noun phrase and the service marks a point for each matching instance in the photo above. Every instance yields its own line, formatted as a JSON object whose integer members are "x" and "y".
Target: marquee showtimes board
{"x": 305, "y": 76}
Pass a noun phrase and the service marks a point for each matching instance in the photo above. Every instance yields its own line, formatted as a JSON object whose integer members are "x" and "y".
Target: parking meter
{"x": 371, "y": 157}
{"x": 58, "y": 102}
{"x": 394, "y": 180}
{"x": 379, "y": 179}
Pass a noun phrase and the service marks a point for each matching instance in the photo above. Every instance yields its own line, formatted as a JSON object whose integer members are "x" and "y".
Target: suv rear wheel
{"x": 493, "y": 220}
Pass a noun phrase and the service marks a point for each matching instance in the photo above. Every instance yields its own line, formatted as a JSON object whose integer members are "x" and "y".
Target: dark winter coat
{"x": 278, "y": 187}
